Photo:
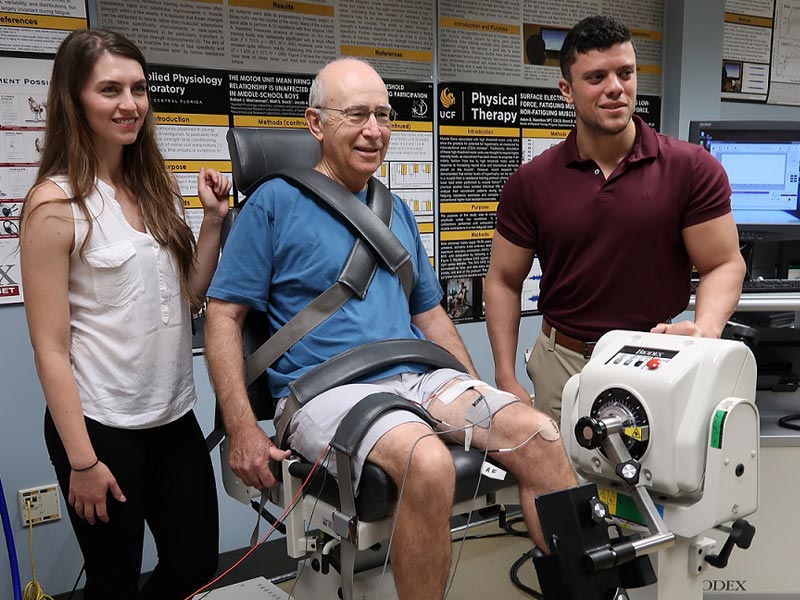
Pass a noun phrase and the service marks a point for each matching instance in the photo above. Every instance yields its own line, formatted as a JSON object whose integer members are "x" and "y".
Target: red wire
{"x": 280, "y": 519}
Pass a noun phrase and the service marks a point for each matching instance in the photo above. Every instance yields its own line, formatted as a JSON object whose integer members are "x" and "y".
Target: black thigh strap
{"x": 359, "y": 419}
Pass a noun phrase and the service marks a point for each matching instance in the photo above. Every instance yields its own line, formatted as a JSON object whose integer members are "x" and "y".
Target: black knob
{"x": 629, "y": 471}
{"x": 590, "y": 432}
{"x": 598, "y": 510}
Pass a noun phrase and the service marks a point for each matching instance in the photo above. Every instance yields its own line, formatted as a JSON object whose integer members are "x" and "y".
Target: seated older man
{"x": 283, "y": 252}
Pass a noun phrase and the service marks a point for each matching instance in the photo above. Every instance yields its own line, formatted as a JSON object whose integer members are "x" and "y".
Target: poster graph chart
{"x": 411, "y": 174}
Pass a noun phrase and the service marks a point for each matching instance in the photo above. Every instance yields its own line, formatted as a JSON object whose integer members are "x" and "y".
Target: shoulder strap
{"x": 374, "y": 237}
{"x": 366, "y": 223}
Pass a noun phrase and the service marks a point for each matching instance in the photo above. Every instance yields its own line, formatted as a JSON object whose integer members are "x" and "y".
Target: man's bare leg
{"x": 421, "y": 546}
{"x": 540, "y": 465}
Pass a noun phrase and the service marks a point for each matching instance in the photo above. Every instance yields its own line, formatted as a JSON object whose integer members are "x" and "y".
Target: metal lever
{"x": 607, "y": 432}
{"x": 741, "y": 535}
{"x": 592, "y": 433}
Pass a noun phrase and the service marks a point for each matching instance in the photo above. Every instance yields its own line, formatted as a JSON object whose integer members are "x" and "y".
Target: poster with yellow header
{"x": 38, "y": 27}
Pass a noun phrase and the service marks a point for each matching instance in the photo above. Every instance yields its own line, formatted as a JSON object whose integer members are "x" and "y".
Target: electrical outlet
{"x": 44, "y": 504}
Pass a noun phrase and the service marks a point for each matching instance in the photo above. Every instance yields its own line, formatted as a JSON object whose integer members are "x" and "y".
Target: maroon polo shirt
{"x": 611, "y": 250}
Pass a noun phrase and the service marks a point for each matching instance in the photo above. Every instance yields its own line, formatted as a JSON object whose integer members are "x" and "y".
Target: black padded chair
{"x": 255, "y": 154}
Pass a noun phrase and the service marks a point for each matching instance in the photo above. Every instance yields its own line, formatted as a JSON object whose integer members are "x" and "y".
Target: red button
{"x": 653, "y": 363}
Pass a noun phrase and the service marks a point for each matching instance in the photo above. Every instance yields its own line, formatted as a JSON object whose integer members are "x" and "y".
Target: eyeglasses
{"x": 358, "y": 116}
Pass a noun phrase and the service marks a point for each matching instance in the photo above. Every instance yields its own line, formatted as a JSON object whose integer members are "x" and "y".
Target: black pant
{"x": 166, "y": 475}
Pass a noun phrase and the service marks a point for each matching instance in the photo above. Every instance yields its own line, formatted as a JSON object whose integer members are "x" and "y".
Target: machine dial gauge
{"x": 620, "y": 403}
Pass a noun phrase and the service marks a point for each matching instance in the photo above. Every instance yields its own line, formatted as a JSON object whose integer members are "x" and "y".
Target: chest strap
{"x": 370, "y": 223}
{"x": 371, "y": 226}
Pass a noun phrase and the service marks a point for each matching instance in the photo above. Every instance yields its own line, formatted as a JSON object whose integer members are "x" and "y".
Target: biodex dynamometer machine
{"x": 667, "y": 428}
{"x": 664, "y": 433}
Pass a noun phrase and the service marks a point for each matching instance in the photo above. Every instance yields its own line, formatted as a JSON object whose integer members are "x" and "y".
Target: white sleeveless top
{"x": 130, "y": 329}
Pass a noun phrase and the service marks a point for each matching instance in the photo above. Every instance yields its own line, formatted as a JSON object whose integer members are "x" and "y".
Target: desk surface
{"x": 763, "y": 302}
{"x": 772, "y": 406}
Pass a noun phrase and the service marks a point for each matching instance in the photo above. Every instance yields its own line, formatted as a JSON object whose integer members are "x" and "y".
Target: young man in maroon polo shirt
{"x": 617, "y": 215}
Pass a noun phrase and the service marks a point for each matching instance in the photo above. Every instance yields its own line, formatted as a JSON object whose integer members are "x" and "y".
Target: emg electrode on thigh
{"x": 489, "y": 401}
{"x": 485, "y": 406}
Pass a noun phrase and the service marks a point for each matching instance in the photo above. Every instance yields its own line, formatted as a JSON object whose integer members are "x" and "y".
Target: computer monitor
{"x": 762, "y": 160}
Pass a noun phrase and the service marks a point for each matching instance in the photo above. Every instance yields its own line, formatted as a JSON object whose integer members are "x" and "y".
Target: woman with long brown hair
{"x": 111, "y": 272}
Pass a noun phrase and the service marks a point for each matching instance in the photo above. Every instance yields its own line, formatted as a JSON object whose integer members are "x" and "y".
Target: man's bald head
{"x": 337, "y": 76}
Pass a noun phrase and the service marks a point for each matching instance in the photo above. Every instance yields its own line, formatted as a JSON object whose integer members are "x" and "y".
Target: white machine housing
{"x": 701, "y": 461}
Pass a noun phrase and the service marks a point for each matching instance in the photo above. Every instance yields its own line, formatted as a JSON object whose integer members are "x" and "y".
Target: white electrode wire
{"x": 477, "y": 487}
{"x": 518, "y": 446}
{"x": 474, "y": 497}
{"x": 403, "y": 485}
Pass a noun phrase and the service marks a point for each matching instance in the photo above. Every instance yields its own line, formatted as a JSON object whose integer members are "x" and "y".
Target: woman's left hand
{"x": 214, "y": 191}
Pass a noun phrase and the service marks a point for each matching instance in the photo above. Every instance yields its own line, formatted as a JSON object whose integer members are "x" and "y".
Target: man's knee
{"x": 428, "y": 478}
{"x": 413, "y": 454}
{"x": 431, "y": 461}
{"x": 535, "y": 453}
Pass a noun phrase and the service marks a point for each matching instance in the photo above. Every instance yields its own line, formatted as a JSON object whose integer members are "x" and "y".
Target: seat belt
{"x": 370, "y": 227}
{"x": 371, "y": 224}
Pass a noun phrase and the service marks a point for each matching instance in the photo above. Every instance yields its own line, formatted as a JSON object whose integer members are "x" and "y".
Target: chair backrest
{"x": 257, "y": 153}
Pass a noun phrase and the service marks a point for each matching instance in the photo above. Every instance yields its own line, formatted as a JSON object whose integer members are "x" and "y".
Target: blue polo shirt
{"x": 285, "y": 249}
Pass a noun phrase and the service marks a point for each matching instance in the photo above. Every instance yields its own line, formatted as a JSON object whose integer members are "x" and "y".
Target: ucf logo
{"x": 447, "y": 99}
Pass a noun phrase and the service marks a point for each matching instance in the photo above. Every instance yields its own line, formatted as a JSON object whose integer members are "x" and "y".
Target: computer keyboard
{"x": 771, "y": 285}
{"x": 759, "y": 285}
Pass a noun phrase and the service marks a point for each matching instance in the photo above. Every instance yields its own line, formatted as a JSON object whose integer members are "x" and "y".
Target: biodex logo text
{"x": 724, "y": 585}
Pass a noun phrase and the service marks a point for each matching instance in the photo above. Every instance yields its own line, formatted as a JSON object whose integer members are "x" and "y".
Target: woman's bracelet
{"x": 94, "y": 464}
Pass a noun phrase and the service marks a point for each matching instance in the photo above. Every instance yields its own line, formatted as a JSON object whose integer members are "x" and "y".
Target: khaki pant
{"x": 549, "y": 367}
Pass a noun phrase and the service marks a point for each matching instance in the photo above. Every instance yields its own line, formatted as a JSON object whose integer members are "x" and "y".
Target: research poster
{"x": 407, "y": 169}
{"x": 191, "y": 110}
{"x": 761, "y": 52}
{"x": 38, "y": 26}
{"x": 268, "y": 99}
{"x": 300, "y": 37}
{"x": 479, "y": 146}
{"x": 747, "y": 50}
{"x": 23, "y": 109}
{"x": 518, "y": 43}
{"x": 785, "y": 66}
